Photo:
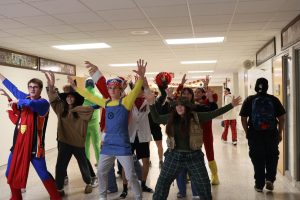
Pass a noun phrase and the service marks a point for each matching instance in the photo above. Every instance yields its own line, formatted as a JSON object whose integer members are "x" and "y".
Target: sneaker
{"x": 123, "y": 194}
{"x": 111, "y": 191}
{"x": 88, "y": 189}
{"x": 195, "y": 197}
{"x": 66, "y": 180}
{"x": 180, "y": 196}
{"x": 145, "y": 188}
{"x": 94, "y": 181}
{"x": 234, "y": 142}
{"x": 161, "y": 163}
{"x": 269, "y": 185}
{"x": 223, "y": 140}
{"x": 61, "y": 192}
{"x": 23, "y": 190}
{"x": 258, "y": 189}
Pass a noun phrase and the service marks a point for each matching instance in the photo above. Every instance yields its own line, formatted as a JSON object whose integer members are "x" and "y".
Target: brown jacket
{"x": 70, "y": 130}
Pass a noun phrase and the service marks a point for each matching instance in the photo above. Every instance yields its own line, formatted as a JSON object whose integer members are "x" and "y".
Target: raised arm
{"x": 156, "y": 117}
{"x": 12, "y": 88}
{"x": 204, "y": 116}
{"x": 128, "y": 101}
{"x": 89, "y": 96}
{"x": 98, "y": 78}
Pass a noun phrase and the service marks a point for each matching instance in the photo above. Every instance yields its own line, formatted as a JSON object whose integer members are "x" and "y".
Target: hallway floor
{"x": 235, "y": 173}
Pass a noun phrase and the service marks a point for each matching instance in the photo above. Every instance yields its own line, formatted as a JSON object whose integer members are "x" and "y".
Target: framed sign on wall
{"x": 57, "y": 67}
{"x": 266, "y": 52}
{"x": 290, "y": 34}
{"x": 17, "y": 59}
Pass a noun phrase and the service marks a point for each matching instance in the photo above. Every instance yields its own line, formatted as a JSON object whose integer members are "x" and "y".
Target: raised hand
{"x": 141, "y": 68}
{"x": 91, "y": 67}
{"x": 50, "y": 78}
{"x": 205, "y": 81}
{"x": 4, "y": 93}
{"x": 15, "y": 101}
{"x": 169, "y": 93}
{"x": 72, "y": 82}
{"x": 236, "y": 101}
{"x": 183, "y": 80}
{"x": 2, "y": 78}
{"x": 150, "y": 97}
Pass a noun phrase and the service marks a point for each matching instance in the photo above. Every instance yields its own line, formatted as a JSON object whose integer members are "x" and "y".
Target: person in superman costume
{"x": 29, "y": 135}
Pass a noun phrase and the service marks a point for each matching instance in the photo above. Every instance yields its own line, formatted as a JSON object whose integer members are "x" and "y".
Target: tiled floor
{"x": 235, "y": 173}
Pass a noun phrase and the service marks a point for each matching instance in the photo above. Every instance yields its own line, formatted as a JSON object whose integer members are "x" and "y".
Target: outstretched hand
{"x": 236, "y": 101}
{"x": 4, "y": 93}
{"x": 141, "y": 68}
{"x": 183, "y": 80}
{"x": 72, "y": 82}
{"x": 150, "y": 97}
{"x": 91, "y": 67}
{"x": 50, "y": 78}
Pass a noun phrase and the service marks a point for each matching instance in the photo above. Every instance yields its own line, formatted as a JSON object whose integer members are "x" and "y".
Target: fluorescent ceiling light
{"x": 123, "y": 65}
{"x": 195, "y": 40}
{"x": 198, "y": 62}
{"x": 151, "y": 73}
{"x": 82, "y": 46}
{"x": 204, "y": 71}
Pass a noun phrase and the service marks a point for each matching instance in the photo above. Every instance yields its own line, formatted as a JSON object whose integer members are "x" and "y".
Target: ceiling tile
{"x": 108, "y": 4}
{"x": 121, "y": 14}
{"x": 174, "y": 21}
{"x": 260, "y": 6}
{"x": 213, "y": 8}
{"x": 19, "y": 10}
{"x": 131, "y": 24}
{"x": 60, "y": 6}
{"x": 156, "y": 3}
{"x": 44, "y": 20}
{"x": 25, "y": 31}
{"x": 9, "y": 23}
{"x": 78, "y": 18}
{"x": 93, "y": 26}
{"x": 167, "y": 11}
{"x": 3, "y": 2}
{"x": 58, "y": 29}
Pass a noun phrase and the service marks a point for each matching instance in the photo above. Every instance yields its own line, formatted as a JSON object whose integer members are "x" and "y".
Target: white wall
{"x": 20, "y": 77}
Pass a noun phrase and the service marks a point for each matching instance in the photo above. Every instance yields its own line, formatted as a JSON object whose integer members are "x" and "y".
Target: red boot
{"x": 51, "y": 188}
{"x": 15, "y": 193}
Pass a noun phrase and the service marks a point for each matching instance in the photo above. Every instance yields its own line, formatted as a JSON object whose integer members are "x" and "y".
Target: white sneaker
{"x": 234, "y": 142}
{"x": 94, "y": 182}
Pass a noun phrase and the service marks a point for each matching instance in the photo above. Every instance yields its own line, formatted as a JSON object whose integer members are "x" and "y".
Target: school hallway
{"x": 235, "y": 174}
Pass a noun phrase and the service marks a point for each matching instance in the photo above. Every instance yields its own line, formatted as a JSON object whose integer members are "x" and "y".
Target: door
{"x": 279, "y": 91}
{"x": 297, "y": 84}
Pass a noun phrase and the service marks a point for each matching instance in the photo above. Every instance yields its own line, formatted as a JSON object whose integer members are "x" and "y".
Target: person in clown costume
{"x": 93, "y": 126}
{"x": 28, "y": 144}
{"x": 116, "y": 142}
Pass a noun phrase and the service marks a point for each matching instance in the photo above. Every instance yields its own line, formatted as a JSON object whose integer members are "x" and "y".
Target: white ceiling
{"x": 33, "y": 26}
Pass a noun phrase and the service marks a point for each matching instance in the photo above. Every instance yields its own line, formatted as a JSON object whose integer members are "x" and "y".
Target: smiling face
{"x": 34, "y": 90}
{"x": 70, "y": 99}
{"x": 114, "y": 92}
{"x": 180, "y": 109}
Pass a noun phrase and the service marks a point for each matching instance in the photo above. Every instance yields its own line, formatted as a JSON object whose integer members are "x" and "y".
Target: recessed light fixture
{"x": 198, "y": 62}
{"x": 123, "y": 65}
{"x": 203, "y": 71}
{"x": 139, "y": 32}
{"x": 195, "y": 40}
{"x": 82, "y": 46}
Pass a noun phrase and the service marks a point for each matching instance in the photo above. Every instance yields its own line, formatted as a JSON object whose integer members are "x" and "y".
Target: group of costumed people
{"x": 126, "y": 124}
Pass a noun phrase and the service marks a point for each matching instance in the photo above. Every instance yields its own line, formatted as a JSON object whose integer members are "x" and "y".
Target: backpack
{"x": 263, "y": 114}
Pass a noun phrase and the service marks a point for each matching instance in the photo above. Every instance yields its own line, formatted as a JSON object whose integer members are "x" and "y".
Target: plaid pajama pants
{"x": 174, "y": 163}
